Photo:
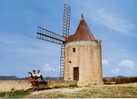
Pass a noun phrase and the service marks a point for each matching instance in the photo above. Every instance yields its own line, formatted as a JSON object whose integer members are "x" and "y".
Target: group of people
{"x": 36, "y": 75}
{"x": 36, "y": 79}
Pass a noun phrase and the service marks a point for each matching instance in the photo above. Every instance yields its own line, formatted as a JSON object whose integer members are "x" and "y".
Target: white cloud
{"x": 116, "y": 70}
{"x": 125, "y": 67}
{"x": 49, "y": 70}
{"x": 114, "y": 21}
{"x": 127, "y": 64}
{"x": 105, "y": 62}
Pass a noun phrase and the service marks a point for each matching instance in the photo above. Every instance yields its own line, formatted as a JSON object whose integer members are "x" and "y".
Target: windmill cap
{"x": 82, "y": 33}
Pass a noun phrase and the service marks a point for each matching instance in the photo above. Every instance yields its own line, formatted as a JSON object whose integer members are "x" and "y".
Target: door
{"x": 76, "y": 73}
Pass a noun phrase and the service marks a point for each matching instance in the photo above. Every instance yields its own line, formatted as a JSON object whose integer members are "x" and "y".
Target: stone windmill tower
{"x": 80, "y": 53}
{"x": 83, "y": 61}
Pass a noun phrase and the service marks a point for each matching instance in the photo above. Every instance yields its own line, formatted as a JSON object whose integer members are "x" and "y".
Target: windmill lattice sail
{"x": 46, "y": 35}
{"x": 66, "y": 30}
{"x": 49, "y": 36}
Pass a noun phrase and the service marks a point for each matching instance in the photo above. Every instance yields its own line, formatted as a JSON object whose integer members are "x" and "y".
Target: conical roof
{"x": 82, "y": 33}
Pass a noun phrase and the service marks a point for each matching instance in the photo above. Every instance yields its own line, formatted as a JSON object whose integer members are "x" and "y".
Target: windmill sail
{"x": 52, "y": 37}
{"x": 66, "y": 20}
{"x": 47, "y": 35}
{"x": 66, "y": 30}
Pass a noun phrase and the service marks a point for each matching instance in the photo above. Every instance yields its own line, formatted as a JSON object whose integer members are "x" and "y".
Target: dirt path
{"x": 121, "y": 90}
{"x": 73, "y": 90}
{"x": 62, "y": 90}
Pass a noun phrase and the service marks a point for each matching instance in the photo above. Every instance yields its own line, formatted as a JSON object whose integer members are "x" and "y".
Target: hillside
{"x": 19, "y": 89}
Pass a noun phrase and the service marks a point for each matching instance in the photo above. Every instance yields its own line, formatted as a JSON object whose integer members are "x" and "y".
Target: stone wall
{"x": 7, "y": 85}
{"x": 88, "y": 58}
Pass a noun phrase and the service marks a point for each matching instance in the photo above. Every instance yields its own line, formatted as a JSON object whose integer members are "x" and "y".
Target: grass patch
{"x": 95, "y": 92}
{"x": 15, "y": 94}
{"x": 88, "y": 92}
{"x": 61, "y": 84}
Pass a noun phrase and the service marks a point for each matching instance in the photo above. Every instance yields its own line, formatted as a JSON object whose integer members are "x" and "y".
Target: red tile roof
{"x": 82, "y": 33}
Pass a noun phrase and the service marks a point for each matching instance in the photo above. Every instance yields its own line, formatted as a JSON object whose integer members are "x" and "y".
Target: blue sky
{"x": 112, "y": 21}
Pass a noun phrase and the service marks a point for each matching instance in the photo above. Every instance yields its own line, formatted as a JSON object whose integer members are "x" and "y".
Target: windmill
{"x": 46, "y": 35}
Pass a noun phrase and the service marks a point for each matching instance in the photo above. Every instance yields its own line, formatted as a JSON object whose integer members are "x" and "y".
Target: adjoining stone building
{"x": 83, "y": 58}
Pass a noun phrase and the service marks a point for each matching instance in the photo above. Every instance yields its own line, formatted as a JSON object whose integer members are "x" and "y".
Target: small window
{"x": 74, "y": 49}
{"x": 69, "y": 62}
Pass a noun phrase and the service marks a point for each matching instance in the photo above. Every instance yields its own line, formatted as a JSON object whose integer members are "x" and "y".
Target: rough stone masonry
{"x": 83, "y": 57}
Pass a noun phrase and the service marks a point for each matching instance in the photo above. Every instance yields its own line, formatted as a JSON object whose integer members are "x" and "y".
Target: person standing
{"x": 34, "y": 74}
{"x": 39, "y": 75}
